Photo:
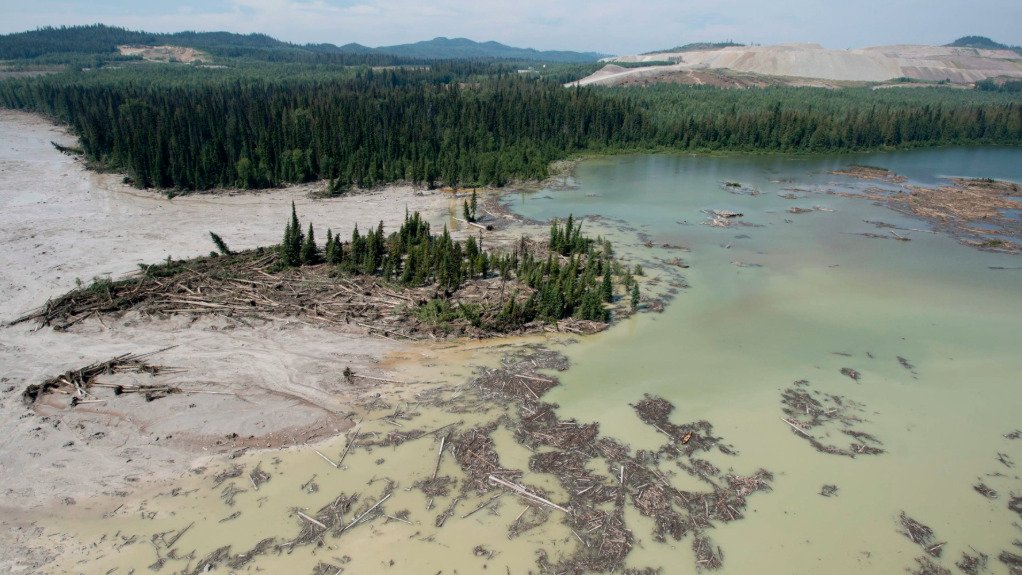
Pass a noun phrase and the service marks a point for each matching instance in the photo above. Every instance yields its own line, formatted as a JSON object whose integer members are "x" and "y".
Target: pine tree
{"x": 310, "y": 251}
{"x": 466, "y": 215}
{"x": 635, "y": 296}
{"x": 473, "y": 206}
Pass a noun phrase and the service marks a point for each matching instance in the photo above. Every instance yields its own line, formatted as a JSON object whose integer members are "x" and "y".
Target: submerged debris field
{"x": 575, "y": 481}
{"x": 980, "y": 212}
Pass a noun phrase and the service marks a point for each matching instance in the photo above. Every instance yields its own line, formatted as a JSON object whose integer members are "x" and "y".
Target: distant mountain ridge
{"x": 100, "y": 39}
{"x": 450, "y": 48}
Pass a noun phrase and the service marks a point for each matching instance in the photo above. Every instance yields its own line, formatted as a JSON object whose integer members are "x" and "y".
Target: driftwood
{"x": 973, "y": 564}
{"x": 241, "y": 284}
{"x": 474, "y": 224}
{"x": 525, "y": 492}
{"x": 439, "y": 456}
{"x": 310, "y": 519}
{"x": 327, "y": 459}
{"x": 347, "y": 448}
{"x": 921, "y": 535}
{"x": 806, "y": 409}
{"x": 78, "y": 383}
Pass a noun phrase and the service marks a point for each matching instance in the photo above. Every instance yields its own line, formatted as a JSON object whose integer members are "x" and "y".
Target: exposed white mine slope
{"x": 877, "y": 64}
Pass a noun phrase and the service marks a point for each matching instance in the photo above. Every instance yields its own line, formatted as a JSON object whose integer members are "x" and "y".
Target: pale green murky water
{"x": 722, "y": 351}
{"x": 725, "y": 349}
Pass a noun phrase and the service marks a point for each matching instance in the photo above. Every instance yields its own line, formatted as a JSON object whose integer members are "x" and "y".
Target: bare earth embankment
{"x": 811, "y": 61}
{"x": 165, "y": 53}
{"x": 259, "y": 383}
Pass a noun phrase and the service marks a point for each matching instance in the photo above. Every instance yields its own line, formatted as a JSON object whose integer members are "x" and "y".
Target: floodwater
{"x": 725, "y": 349}
{"x": 789, "y": 297}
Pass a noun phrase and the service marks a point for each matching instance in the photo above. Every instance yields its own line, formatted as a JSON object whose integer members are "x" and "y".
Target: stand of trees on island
{"x": 575, "y": 279}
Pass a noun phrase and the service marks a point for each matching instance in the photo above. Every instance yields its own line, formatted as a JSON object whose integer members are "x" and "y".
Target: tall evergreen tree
{"x": 608, "y": 286}
{"x": 291, "y": 246}
{"x": 328, "y": 247}
{"x": 310, "y": 254}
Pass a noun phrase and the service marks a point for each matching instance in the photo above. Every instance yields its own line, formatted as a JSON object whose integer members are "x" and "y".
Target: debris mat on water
{"x": 601, "y": 480}
{"x": 809, "y": 412}
{"x": 925, "y": 566}
{"x": 921, "y": 535}
{"x": 574, "y": 453}
{"x": 973, "y": 564}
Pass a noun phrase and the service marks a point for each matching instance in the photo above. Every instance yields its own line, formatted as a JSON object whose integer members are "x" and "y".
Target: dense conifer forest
{"x": 199, "y": 129}
{"x": 270, "y": 113}
{"x": 817, "y": 120}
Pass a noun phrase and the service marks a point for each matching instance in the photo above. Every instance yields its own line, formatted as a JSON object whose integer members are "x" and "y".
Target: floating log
{"x": 310, "y": 520}
{"x": 359, "y": 518}
{"x": 325, "y": 458}
{"x": 348, "y": 447}
{"x": 796, "y": 428}
{"x": 488, "y": 502}
{"x": 523, "y": 491}
{"x": 439, "y": 456}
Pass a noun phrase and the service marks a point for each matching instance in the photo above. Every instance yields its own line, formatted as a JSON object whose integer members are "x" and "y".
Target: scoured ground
{"x": 61, "y": 224}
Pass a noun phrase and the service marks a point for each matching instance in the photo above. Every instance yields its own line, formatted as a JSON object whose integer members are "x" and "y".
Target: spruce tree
{"x": 290, "y": 247}
{"x": 466, "y": 215}
{"x": 355, "y": 251}
{"x": 473, "y": 206}
{"x": 221, "y": 246}
{"x": 296, "y": 239}
{"x": 608, "y": 286}
{"x": 635, "y": 296}
{"x": 310, "y": 251}
{"x": 328, "y": 247}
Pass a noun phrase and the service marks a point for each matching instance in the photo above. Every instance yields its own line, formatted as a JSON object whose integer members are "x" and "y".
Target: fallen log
{"x": 795, "y": 427}
{"x": 525, "y": 492}
{"x": 310, "y": 519}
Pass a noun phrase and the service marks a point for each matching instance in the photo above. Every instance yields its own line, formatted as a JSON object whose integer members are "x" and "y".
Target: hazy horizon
{"x": 598, "y": 26}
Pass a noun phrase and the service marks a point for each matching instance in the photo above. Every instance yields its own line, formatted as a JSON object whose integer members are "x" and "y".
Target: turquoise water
{"x": 727, "y": 346}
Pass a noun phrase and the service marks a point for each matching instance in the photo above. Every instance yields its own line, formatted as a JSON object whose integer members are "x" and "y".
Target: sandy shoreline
{"x": 278, "y": 383}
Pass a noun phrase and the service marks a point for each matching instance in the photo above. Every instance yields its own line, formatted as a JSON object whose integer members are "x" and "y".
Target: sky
{"x": 608, "y": 26}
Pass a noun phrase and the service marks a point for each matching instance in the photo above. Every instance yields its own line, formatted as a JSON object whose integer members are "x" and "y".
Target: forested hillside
{"x": 197, "y": 130}
{"x": 817, "y": 120}
{"x": 80, "y": 45}
{"x": 461, "y": 123}
{"x": 275, "y": 113}
{"x": 97, "y": 44}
